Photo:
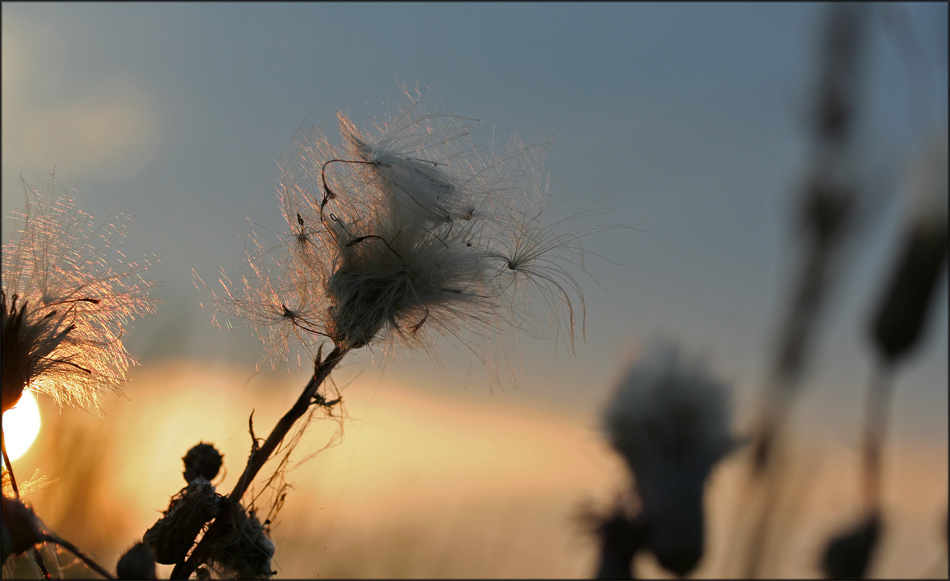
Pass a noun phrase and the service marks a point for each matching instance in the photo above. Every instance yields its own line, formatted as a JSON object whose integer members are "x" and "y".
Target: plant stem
{"x": 260, "y": 456}
{"x": 82, "y": 556}
{"x": 257, "y": 459}
{"x": 38, "y": 559}
{"x": 6, "y": 461}
{"x": 878, "y": 402}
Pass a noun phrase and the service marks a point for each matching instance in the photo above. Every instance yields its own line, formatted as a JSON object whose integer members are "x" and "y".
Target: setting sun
{"x": 21, "y": 424}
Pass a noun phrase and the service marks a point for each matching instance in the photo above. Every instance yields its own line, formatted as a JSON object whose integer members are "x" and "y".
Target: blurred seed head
{"x": 849, "y": 553}
{"x": 827, "y": 211}
{"x": 137, "y": 563}
{"x": 898, "y": 322}
{"x": 68, "y": 297}
{"x": 202, "y": 461}
{"x": 669, "y": 420}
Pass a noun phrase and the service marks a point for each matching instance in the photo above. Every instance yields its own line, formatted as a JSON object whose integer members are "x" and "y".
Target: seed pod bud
{"x": 137, "y": 563}
{"x": 173, "y": 535}
{"x": 847, "y": 555}
{"x": 900, "y": 316}
{"x": 19, "y": 526}
{"x": 202, "y": 460}
{"x": 842, "y": 51}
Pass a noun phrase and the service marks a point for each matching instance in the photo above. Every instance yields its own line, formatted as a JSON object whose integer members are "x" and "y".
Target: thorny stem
{"x": 259, "y": 457}
{"x": 49, "y": 537}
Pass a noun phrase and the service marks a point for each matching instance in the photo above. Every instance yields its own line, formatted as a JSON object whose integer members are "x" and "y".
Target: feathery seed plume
{"x": 405, "y": 232}
{"x": 68, "y": 297}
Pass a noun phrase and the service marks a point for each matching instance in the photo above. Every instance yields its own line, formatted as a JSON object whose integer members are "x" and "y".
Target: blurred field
{"x": 433, "y": 482}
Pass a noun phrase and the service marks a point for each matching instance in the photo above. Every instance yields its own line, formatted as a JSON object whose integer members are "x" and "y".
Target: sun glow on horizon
{"x": 21, "y": 424}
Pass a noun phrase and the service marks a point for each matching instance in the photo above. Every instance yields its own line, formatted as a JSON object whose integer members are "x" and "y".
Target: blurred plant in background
{"x": 670, "y": 422}
{"x": 896, "y": 328}
{"x": 670, "y": 453}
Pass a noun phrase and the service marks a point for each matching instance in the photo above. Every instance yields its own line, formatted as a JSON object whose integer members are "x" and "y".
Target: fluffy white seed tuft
{"x": 407, "y": 231}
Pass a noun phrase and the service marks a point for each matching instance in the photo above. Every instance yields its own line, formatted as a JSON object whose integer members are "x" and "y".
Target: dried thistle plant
{"x": 896, "y": 328}
{"x": 829, "y": 204}
{"x": 67, "y": 298}
{"x": 401, "y": 234}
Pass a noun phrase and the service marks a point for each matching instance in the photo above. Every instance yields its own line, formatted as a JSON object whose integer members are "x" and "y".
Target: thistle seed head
{"x": 407, "y": 231}
{"x": 67, "y": 298}
{"x": 27, "y": 345}
{"x": 410, "y": 166}
{"x": 202, "y": 461}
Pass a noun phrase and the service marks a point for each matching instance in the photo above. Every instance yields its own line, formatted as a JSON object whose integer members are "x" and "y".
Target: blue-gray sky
{"x": 686, "y": 120}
